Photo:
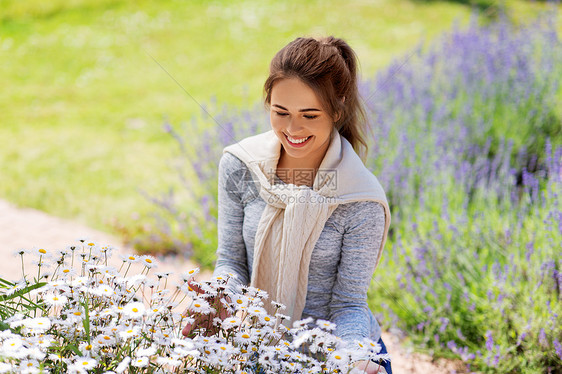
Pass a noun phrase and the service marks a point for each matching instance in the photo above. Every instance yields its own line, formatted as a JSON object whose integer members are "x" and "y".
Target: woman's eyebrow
{"x": 300, "y": 110}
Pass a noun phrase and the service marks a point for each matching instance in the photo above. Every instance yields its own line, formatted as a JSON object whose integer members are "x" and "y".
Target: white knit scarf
{"x": 294, "y": 216}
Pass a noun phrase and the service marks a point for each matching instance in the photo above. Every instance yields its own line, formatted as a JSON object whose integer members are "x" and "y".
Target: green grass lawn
{"x": 83, "y": 102}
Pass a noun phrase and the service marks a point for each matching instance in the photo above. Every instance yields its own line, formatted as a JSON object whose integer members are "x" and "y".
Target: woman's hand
{"x": 368, "y": 367}
{"x": 206, "y": 320}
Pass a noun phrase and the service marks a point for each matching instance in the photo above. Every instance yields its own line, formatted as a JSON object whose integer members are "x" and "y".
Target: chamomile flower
{"x": 103, "y": 290}
{"x": 14, "y": 288}
{"x": 40, "y": 323}
{"x": 130, "y": 258}
{"x": 338, "y": 359}
{"x": 200, "y": 306}
{"x": 134, "y": 310}
{"x": 105, "y": 340}
{"x": 164, "y": 274}
{"x": 140, "y": 362}
{"x": 67, "y": 272}
{"x": 123, "y": 365}
{"x": 29, "y": 367}
{"x": 189, "y": 274}
{"x": 85, "y": 363}
{"x": 243, "y": 337}
{"x": 266, "y": 319}
{"x": 240, "y": 302}
{"x": 326, "y": 325}
{"x": 41, "y": 252}
{"x": 230, "y": 323}
{"x": 148, "y": 261}
{"x": 54, "y": 299}
{"x": 21, "y": 252}
{"x": 150, "y": 351}
{"x": 257, "y": 311}
{"x": 168, "y": 361}
{"x": 129, "y": 332}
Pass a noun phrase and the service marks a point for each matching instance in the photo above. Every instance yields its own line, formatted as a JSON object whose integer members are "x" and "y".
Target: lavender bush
{"x": 467, "y": 144}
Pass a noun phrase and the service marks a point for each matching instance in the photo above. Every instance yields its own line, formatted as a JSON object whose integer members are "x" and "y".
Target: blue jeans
{"x": 383, "y": 363}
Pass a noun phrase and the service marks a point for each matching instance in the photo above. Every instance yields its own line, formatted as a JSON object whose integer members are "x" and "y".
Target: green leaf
{"x": 73, "y": 348}
{"x": 22, "y": 292}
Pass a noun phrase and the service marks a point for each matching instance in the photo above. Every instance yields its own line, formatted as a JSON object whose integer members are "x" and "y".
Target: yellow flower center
{"x": 42, "y": 251}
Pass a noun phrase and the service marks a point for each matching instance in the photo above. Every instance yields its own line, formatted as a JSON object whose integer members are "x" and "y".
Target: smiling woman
{"x": 302, "y": 125}
{"x": 314, "y": 234}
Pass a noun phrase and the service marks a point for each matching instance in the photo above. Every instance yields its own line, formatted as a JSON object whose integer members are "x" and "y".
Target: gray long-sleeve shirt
{"x": 343, "y": 259}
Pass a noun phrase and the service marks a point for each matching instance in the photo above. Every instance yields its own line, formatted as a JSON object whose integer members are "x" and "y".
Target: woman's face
{"x": 296, "y": 114}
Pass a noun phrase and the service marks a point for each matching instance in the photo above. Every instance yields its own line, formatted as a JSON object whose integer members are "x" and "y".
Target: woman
{"x": 300, "y": 216}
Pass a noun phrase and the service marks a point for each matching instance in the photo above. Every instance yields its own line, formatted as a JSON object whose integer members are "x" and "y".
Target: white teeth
{"x": 297, "y": 141}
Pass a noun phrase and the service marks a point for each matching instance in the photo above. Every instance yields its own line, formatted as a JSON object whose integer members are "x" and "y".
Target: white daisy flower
{"x": 244, "y": 337}
{"x": 54, "y": 299}
{"x": 200, "y": 306}
{"x": 230, "y": 323}
{"x": 148, "y": 261}
{"x": 134, "y": 310}
{"x": 140, "y": 362}
{"x": 326, "y": 325}
{"x": 338, "y": 359}
{"x": 14, "y": 288}
{"x": 164, "y": 275}
{"x": 67, "y": 271}
{"x": 123, "y": 365}
{"x": 29, "y": 367}
{"x": 41, "y": 252}
{"x": 189, "y": 274}
{"x": 266, "y": 319}
{"x": 150, "y": 351}
{"x": 168, "y": 361}
{"x": 21, "y": 252}
{"x": 129, "y": 332}
{"x": 40, "y": 323}
{"x": 103, "y": 290}
{"x": 86, "y": 363}
{"x": 130, "y": 258}
{"x": 105, "y": 340}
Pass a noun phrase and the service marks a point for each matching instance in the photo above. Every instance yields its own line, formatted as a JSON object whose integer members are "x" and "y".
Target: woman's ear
{"x": 337, "y": 116}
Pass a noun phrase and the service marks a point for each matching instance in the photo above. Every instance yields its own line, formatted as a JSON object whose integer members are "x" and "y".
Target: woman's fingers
{"x": 369, "y": 367}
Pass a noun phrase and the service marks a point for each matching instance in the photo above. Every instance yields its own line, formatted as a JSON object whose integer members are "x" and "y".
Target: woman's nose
{"x": 295, "y": 127}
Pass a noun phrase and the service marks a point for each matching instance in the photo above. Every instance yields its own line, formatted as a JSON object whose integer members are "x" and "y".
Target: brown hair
{"x": 329, "y": 66}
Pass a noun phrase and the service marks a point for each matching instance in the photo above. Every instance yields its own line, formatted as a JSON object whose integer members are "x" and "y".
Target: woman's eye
{"x": 282, "y": 114}
{"x": 310, "y": 117}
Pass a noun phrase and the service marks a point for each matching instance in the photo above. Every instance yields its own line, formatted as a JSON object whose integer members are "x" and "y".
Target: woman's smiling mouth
{"x": 297, "y": 142}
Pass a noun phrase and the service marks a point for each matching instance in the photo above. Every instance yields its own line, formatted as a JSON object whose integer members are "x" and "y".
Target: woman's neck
{"x": 297, "y": 171}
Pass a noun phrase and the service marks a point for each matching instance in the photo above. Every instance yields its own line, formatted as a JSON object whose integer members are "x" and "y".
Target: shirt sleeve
{"x": 361, "y": 243}
{"x": 231, "y": 251}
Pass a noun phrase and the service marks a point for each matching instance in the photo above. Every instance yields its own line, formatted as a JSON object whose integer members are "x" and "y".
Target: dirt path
{"x": 29, "y": 228}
